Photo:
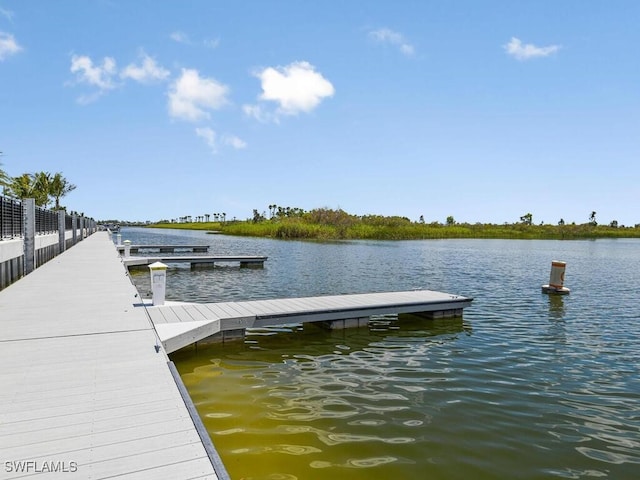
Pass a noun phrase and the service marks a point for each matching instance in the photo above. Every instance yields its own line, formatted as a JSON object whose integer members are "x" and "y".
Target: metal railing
{"x": 46, "y": 221}
{"x": 11, "y": 221}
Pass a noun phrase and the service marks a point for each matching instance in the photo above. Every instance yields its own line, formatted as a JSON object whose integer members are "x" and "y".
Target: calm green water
{"x": 525, "y": 386}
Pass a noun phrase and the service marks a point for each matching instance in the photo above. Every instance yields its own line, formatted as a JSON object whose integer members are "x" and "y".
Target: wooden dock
{"x": 198, "y": 260}
{"x": 180, "y": 325}
{"x": 87, "y": 389}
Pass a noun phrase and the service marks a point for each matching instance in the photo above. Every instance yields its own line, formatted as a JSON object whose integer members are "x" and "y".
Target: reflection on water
{"x": 527, "y": 386}
{"x": 556, "y": 306}
{"x": 325, "y": 400}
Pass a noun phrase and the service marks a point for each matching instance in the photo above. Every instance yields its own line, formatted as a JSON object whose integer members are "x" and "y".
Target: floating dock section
{"x": 165, "y": 248}
{"x": 198, "y": 260}
{"x": 180, "y": 325}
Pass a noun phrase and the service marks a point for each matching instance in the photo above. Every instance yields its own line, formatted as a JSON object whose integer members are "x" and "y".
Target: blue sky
{"x": 482, "y": 110}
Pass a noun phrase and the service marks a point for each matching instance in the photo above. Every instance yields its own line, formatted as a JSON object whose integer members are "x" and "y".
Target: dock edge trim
{"x": 212, "y": 453}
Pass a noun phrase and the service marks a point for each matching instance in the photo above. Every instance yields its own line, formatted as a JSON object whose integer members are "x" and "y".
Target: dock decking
{"x": 85, "y": 389}
{"x": 183, "y": 324}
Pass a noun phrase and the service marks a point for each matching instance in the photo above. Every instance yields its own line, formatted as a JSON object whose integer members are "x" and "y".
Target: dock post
{"x": 29, "y": 205}
{"x": 61, "y": 231}
{"x": 127, "y": 248}
{"x": 158, "y": 272}
{"x": 119, "y": 239}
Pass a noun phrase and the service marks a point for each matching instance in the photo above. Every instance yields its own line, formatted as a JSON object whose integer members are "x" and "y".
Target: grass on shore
{"x": 348, "y": 227}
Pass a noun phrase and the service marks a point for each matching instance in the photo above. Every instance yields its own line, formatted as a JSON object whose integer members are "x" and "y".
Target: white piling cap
{"x": 158, "y": 266}
{"x": 127, "y": 242}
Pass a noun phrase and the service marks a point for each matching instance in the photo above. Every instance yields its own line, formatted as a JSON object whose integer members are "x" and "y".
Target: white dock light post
{"x": 158, "y": 282}
{"x": 556, "y": 279}
{"x": 119, "y": 239}
{"x": 127, "y": 248}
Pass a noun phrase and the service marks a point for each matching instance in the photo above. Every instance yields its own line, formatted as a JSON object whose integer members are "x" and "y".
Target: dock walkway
{"x": 86, "y": 387}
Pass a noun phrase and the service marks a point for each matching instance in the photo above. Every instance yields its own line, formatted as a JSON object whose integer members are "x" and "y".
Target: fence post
{"x": 29, "y": 240}
{"x": 74, "y": 228}
{"x": 61, "y": 231}
{"x": 80, "y": 227}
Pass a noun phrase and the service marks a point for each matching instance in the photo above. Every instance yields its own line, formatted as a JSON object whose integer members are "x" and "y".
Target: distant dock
{"x": 194, "y": 260}
{"x": 198, "y": 260}
{"x": 165, "y": 248}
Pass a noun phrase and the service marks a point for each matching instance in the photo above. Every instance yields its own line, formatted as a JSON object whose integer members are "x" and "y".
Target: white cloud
{"x": 211, "y": 43}
{"x": 516, "y": 49}
{"x": 8, "y": 45}
{"x": 387, "y": 36}
{"x": 89, "y": 98}
{"x": 209, "y": 137}
{"x": 259, "y": 113}
{"x": 180, "y": 37}
{"x": 233, "y": 141}
{"x": 8, "y": 14}
{"x": 213, "y": 141}
{"x": 295, "y": 88}
{"x": 190, "y": 96}
{"x": 183, "y": 38}
{"x": 100, "y": 76}
{"x": 148, "y": 72}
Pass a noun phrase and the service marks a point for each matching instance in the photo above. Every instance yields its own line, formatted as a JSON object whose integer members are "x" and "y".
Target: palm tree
{"x": 527, "y": 219}
{"x": 59, "y": 187}
{"x": 27, "y": 186}
{"x": 20, "y": 187}
{"x": 41, "y": 185}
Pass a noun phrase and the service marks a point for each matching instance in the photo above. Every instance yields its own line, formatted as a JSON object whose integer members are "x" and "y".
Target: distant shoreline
{"x": 296, "y": 229}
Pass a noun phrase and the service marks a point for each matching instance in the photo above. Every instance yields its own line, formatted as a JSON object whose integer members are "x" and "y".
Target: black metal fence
{"x": 12, "y": 219}
{"x": 46, "y": 221}
{"x": 11, "y": 222}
